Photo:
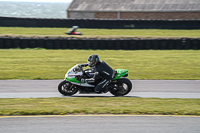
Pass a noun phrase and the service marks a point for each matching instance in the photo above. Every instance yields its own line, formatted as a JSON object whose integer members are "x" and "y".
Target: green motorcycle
{"x": 119, "y": 86}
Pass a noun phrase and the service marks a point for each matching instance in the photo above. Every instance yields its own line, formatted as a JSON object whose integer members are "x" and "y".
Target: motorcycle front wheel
{"x": 67, "y": 89}
{"x": 122, "y": 87}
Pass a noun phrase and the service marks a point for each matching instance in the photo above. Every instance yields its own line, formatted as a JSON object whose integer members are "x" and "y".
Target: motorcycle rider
{"x": 101, "y": 70}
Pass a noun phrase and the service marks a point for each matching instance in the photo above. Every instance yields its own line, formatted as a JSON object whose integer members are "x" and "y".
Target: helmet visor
{"x": 91, "y": 63}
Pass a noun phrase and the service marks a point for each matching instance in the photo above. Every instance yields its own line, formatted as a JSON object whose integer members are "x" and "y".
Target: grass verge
{"x": 99, "y": 105}
{"x": 101, "y": 33}
{"x": 142, "y": 64}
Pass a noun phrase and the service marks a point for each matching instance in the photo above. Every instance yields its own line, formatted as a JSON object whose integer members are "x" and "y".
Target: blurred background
{"x": 34, "y": 8}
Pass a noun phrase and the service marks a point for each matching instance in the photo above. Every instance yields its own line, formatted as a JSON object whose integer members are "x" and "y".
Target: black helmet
{"x": 93, "y": 60}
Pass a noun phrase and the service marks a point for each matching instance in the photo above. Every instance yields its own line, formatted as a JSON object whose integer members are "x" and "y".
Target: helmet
{"x": 93, "y": 60}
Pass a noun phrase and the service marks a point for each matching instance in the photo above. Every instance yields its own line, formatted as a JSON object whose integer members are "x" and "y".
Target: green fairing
{"x": 120, "y": 73}
{"x": 72, "y": 80}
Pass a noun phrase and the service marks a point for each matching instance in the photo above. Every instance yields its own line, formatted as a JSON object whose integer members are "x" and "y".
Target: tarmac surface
{"x": 100, "y": 124}
{"x": 141, "y": 88}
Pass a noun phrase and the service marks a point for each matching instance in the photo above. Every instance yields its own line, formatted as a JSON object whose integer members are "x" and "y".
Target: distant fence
{"x": 110, "y": 44}
{"x": 100, "y": 23}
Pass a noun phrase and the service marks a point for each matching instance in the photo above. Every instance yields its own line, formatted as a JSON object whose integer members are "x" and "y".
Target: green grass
{"x": 101, "y": 32}
{"x": 142, "y": 64}
{"x": 98, "y": 105}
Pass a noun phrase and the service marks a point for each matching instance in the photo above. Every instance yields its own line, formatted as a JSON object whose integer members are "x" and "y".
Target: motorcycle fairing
{"x": 76, "y": 71}
{"x": 120, "y": 73}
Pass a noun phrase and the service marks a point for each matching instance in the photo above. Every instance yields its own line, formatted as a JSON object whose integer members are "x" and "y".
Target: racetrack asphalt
{"x": 100, "y": 124}
{"x": 141, "y": 88}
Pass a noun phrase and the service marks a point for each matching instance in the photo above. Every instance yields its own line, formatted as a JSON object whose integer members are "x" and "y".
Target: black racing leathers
{"x": 103, "y": 71}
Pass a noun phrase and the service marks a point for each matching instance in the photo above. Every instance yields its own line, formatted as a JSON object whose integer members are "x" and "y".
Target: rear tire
{"x": 122, "y": 87}
{"x": 67, "y": 89}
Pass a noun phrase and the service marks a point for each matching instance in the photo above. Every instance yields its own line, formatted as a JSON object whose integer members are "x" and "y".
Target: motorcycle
{"x": 119, "y": 86}
{"x": 72, "y": 31}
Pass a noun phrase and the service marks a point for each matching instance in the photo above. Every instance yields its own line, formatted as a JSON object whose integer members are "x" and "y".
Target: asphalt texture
{"x": 100, "y": 124}
{"x": 141, "y": 88}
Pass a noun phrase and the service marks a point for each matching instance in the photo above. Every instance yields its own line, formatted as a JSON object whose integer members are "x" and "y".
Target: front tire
{"x": 67, "y": 89}
{"x": 122, "y": 87}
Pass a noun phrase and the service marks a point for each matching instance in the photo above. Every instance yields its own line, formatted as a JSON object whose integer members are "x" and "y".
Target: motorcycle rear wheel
{"x": 67, "y": 89}
{"x": 122, "y": 87}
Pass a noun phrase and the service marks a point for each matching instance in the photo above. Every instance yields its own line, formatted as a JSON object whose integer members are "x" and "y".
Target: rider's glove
{"x": 84, "y": 65}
